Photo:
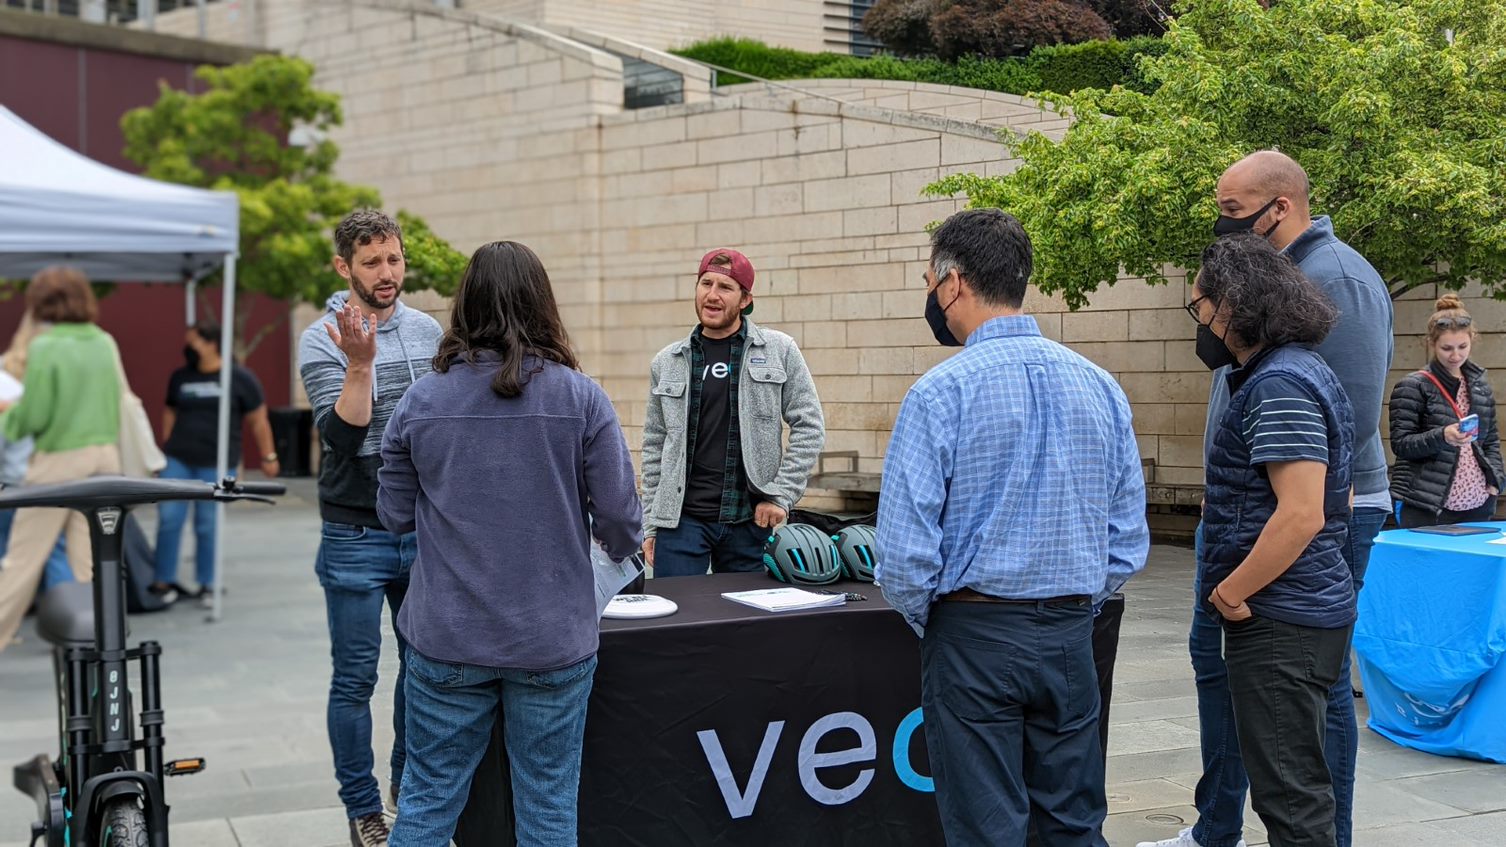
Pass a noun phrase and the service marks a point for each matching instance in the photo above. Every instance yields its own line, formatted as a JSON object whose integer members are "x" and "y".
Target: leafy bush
{"x": 758, "y": 59}
{"x": 1061, "y": 69}
{"x": 903, "y": 26}
{"x": 1400, "y": 128}
{"x": 1000, "y": 28}
{"x": 1094, "y": 64}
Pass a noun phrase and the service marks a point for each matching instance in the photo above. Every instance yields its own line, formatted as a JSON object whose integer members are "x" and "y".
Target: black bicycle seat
{"x": 65, "y": 615}
{"x": 100, "y": 491}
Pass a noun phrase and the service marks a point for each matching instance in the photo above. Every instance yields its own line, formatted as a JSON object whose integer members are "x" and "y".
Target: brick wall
{"x": 825, "y": 200}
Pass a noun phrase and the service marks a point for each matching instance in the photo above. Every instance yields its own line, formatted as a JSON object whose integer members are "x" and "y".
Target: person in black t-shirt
{"x": 190, "y": 426}
{"x": 718, "y": 473}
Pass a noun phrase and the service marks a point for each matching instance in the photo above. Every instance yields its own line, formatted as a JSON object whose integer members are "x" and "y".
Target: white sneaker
{"x": 1183, "y": 839}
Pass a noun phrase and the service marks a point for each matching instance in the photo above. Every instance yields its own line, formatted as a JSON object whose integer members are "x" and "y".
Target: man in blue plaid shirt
{"x": 1013, "y": 506}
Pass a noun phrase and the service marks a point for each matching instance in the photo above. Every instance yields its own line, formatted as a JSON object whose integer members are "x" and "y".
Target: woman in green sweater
{"x": 70, "y": 403}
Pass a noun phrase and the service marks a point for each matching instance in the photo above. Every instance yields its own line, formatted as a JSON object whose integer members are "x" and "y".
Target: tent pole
{"x": 191, "y": 301}
{"x": 223, "y": 464}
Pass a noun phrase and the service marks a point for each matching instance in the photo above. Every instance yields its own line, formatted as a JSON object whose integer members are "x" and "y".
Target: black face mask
{"x": 1226, "y": 225}
{"x": 191, "y": 356}
{"x": 936, "y": 317}
{"x": 1211, "y": 350}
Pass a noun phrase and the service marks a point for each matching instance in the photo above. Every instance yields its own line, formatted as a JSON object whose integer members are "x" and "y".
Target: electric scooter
{"x": 106, "y": 787}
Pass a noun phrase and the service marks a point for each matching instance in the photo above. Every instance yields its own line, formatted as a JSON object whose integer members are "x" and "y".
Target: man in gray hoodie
{"x": 357, "y": 361}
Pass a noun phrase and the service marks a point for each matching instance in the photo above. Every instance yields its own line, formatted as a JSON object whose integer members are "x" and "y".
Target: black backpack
{"x": 830, "y": 524}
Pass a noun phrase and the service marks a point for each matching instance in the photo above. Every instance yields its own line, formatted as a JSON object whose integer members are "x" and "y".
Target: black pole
{"x": 78, "y": 725}
{"x": 151, "y": 707}
{"x": 113, "y": 684}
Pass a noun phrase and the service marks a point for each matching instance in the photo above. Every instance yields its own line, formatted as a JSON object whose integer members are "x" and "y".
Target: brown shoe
{"x": 369, "y": 831}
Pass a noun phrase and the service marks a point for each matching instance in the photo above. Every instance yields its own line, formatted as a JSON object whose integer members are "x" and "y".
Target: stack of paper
{"x": 784, "y": 599}
{"x": 611, "y": 577}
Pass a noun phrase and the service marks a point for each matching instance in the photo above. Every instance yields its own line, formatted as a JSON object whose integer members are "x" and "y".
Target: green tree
{"x": 1396, "y": 108}
{"x": 233, "y": 137}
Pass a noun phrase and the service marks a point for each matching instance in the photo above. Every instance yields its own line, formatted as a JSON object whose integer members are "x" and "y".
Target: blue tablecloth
{"x": 1431, "y": 636}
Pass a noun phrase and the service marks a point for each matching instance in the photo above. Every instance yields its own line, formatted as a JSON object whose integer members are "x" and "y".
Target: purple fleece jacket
{"x": 499, "y": 491}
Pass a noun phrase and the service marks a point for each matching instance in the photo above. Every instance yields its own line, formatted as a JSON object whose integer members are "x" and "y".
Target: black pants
{"x": 1279, "y": 677}
{"x": 1010, "y": 697}
{"x": 1412, "y": 516}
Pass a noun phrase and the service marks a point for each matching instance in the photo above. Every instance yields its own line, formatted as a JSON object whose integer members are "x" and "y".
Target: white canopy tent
{"x": 58, "y": 206}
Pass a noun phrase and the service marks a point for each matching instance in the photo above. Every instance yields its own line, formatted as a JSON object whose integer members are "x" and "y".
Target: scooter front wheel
{"x": 123, "y": 824}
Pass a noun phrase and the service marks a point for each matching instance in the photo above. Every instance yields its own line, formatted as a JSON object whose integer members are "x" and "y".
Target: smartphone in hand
{"x": 1470, "y": 425}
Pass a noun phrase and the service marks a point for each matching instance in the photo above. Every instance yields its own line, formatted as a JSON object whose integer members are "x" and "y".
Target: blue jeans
{"x": 360, "y": 567}
{"x": 1010, "y": 698}
{"x": 452, "y": 709}
{"x": 689, "y": 548}
{"x": 172, "y": 514}
{"x": 57, "y": 571}
{"x": 1220, "y": 793}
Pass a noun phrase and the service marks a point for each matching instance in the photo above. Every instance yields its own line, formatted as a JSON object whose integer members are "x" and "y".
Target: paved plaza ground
{"x": 248, "y": 693}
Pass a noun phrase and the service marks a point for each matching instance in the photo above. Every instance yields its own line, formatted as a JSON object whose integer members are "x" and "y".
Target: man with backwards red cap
{"x": 717, "y": 476}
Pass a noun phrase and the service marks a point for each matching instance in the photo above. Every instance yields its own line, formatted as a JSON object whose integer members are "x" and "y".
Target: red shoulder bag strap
{"x": 1444, "y": 391}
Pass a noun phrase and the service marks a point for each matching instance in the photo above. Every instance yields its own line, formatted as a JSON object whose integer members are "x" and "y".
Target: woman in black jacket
{"x": 1446, "y": 473}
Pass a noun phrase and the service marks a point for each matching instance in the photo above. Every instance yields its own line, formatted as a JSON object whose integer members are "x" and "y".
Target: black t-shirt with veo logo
{"x": 194, "y": 397}
{"x": 708, "y": 467}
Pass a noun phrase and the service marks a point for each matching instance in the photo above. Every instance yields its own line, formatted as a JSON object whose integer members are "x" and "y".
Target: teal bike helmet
{"x": 855, "y": 549}
{"x": 800, "y": 554}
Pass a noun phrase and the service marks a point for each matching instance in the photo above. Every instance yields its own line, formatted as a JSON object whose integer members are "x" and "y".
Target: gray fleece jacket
{"x": 774, "y": 388}
{"x": 352, "y": 455}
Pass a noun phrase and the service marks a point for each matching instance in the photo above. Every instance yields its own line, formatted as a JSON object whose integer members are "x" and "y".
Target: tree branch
{"x": 261, "y": 334}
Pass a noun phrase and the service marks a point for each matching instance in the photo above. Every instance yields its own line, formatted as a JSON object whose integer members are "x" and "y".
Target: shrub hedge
{"x": 1061, "y": 69}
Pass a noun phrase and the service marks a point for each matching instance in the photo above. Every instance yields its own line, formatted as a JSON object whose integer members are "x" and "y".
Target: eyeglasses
{"x": 1459, "y": 322}
{"x": 1192, "y": 309}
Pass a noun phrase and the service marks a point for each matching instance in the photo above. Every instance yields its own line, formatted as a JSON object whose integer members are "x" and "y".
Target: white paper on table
{"x": 611, "y": 577}
{"x": 785, "y": 599}
{"x": 10, "y": 388}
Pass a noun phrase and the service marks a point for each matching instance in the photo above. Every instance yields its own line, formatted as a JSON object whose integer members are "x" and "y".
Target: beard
{"x": 725, "y": 319}
{"x": 370, "y": 298}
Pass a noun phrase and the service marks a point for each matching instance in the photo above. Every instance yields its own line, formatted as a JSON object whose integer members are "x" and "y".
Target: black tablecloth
{"x": 726, "y": 725}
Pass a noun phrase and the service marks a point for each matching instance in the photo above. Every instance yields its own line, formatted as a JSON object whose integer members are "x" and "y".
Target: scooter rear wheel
{"x": 123, "y": 824}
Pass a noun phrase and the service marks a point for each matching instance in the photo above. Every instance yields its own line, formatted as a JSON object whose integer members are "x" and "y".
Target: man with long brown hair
{"x": 505, "y": 461}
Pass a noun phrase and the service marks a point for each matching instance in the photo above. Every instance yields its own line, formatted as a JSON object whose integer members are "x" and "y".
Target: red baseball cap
{"x": 741, "y": 270}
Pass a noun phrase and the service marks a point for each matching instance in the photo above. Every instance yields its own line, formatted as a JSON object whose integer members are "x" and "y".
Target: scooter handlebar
{"x": 262, "y": 489}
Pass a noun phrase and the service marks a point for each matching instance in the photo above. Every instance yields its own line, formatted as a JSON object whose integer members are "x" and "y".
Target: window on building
{"x": 843, "y": 27}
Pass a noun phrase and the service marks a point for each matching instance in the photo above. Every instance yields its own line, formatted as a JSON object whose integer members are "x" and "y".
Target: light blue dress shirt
{"x": 1014, "y": 471}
